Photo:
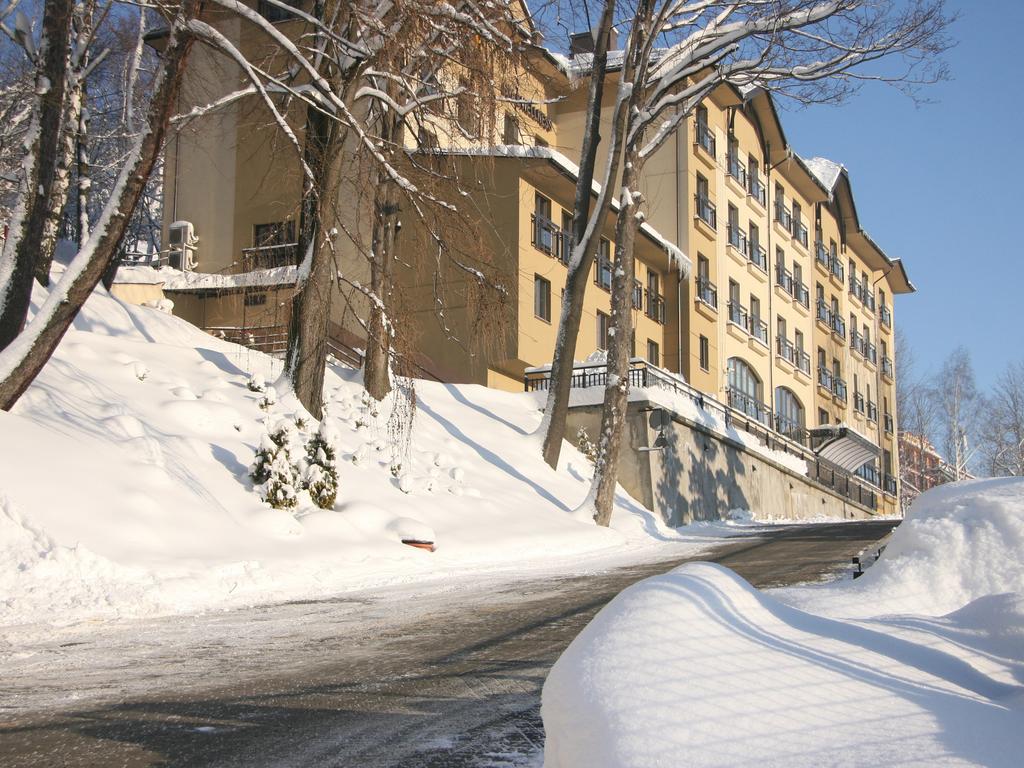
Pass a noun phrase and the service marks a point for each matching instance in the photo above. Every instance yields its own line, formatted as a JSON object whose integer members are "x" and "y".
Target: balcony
{"x": 890, "y": 485}
{"x": 870, "y": 352}
{"x": 855, "y": 288}
{"x": 872, "y": 411}
{"x": 544, "y": 233}
{"x": 638, "y": 294}
{"x": 738, "y": 239}
{"x": 784, "y": 216}
{"x": 887, "y": 421}
{"x": 839, "y": 388}
{"x": 269, "y": 256}
{"x": 836, "y": 267}
{"x": 792, "y": 355}
{"x": 706, "y": 211}
{"x": 868, "y": 298}
{"x": 707, "y": 293}
{"x": 758, "y": 256}
{"x": 756, "y": 190}
{"x": 754, "y": 327}
{"x": 825, "y": 378}
{"x": 800, "y": 232}
{"x": 886, "y": 316}
{"x": 821, "y": 254}
{"x": 801, "y": 294}
{"x": 887, "y": 368}
{"x": 858, "y": 402}
{"x": 737, "y": 170}
{"x": 824, "y": 314}
{"x": 705, "y": 139}
{"x": 870, "y": 474}
{"x": 655, "y": 307}
{"x": 857, "y": 342}
{"x": 784, "y": 279}
{"x": 838, "y": 326}
{"x": 750, "y": 406}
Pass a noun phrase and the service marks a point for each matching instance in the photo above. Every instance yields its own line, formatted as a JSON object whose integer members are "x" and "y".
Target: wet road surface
{"x": 451, "y": 681}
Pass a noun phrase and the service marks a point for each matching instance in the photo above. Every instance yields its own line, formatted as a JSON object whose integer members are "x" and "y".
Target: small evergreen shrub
{"x": 322, "y": 467}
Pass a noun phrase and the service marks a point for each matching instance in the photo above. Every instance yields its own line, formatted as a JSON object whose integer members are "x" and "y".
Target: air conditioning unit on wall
{"x": 181, "y": 246}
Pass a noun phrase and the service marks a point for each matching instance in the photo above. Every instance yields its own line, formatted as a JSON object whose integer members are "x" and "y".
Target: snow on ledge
{"x": 176, "y": 280}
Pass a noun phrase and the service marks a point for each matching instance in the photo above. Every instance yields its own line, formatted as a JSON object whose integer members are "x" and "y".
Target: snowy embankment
{"x": 919, "y": 662}
{"x": 124, "y": 488}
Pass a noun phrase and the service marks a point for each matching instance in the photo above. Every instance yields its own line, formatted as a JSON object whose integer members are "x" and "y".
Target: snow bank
{"x": 124, "y": 489}
{"x": 959, "y": 542}
{"x": 698, "y": 668}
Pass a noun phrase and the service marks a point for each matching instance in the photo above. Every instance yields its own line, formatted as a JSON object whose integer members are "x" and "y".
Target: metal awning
{"x": 843, "y": 446}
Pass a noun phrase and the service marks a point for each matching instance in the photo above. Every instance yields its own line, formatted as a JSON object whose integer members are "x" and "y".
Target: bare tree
{"x": 811, "y": 50}
{"x": 21, "y": 248}
{"x": 958, "y": 402}
{"x": 25, "y": 356}
{"x": 1001, "y": 438}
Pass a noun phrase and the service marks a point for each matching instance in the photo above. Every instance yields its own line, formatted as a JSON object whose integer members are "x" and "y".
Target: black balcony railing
{"x": 821, "y": 254}
{"x": 888, "y": 422}
{"x": 783, "y": 216}
{"x": 738, "y": 239}
{"x": 872, "y": 411}
{"x": 870, "y": 352}
{"x": 836, "y": 267}
{"x": 705, "y": 139}
{"x": 655, "y": 307}
{"x": 887, "y": 369}
{"x": 748, "y": 413}
{"x": 801, "y": 294}
{"x": 784, "y": 279}
{"x": 706, "y": 211}
{"x": 870, "y": 474}
{"x": 800, "y": 232}
{"x": 707, "y": 293}
{"x": 750, "y": 406}
{"x": 839, "y": 388}
{"x": 858, "y": 402}
{"x": 890, "y": 485}
{"x": 638, "y": 294}
{"x": 269, "y": 256}
{"x": 754, "y": 326}
{"x": 756, "y": 190}
{"x": 544, "y": 231}
{"x": 737, "y": 169}
{"x": 885, "y": 314}
{"x": 758, "y": 256}
{"x": 825, "y": 378}
{"x": 838, "y": 325}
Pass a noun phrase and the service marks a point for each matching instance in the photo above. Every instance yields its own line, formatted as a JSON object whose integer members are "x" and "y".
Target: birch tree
{"x": 1002, "y": 436}
{"x": 677, "y": 52}
{"x": 28, "y": 352}
{"x": 958, "y": 402}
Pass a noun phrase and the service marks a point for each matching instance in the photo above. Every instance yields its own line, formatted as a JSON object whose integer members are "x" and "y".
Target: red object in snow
{"x": 427, "y": 545}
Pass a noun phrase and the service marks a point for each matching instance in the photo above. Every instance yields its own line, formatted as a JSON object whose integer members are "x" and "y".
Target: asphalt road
{"x": 452, "y": 681}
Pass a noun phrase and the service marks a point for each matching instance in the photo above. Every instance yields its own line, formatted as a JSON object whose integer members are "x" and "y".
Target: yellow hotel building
{"x": 784, "y": 312}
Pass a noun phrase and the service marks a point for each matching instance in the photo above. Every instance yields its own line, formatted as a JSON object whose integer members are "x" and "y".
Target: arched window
{"x": 789, "y": 414}
{"x": 745, "y": 393}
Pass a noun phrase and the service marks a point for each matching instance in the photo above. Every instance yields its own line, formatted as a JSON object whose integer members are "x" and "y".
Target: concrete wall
{"x": 701, "y": 475}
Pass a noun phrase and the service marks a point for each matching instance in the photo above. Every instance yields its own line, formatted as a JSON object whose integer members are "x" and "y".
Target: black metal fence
{"x": 793, "y": 439}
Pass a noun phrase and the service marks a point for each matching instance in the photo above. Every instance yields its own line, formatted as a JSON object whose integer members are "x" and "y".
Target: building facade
{"x": 782, "y": 308}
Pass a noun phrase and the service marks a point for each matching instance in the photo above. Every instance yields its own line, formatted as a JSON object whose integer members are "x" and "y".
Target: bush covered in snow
{"x": 321, "y": 474}
{"x": 269, "y": 399}
{"x": 586, "y": 446}
{"x": 274, "y": 470}
{"x": 256, "y": 383}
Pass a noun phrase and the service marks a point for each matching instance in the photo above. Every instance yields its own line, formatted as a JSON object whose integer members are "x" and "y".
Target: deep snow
{"x": 124, "y": 488}
{"x": 918, "y": 662}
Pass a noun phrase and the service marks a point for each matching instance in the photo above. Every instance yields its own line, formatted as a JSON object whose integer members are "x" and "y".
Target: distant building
{"x": 922, "y": 467}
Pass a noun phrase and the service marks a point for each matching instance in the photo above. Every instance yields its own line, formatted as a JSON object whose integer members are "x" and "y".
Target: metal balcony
{"x": 706, "y": 211}
{"x": 705, "y": 139}
{"x": 707, "y": 293}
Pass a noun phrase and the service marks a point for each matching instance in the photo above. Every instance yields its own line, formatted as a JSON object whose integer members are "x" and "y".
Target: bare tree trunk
{"x": 557, "y": 406}
{"x": 22, "y": 247}
{"x": 376, "y": 364}
{"x": 616, "y": 394}
{"x": 22, "y": 361}
{"x": 84, "y": 169}
{"x": 311, "y": 306}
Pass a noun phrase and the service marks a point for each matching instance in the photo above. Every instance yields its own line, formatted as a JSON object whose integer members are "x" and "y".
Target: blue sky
{"x": 941, "y": 185}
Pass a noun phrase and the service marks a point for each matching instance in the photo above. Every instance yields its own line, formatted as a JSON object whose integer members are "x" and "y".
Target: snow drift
{"x": 124, "y": 487}
{"x": 698, "y": 668}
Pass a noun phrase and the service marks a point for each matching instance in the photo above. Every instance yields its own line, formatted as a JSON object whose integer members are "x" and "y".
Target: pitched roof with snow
{"x": 824, "y": 170}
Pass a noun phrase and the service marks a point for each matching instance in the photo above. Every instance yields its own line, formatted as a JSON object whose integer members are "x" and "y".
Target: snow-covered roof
{"x": 176, "y": 280}
{"x": 824, "y": 170}
{"x": 676, "y": 256}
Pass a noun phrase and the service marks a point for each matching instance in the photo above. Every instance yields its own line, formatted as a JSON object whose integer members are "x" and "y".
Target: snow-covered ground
{"x": 918, "y": 662}
{"x": 124, "y": 489}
